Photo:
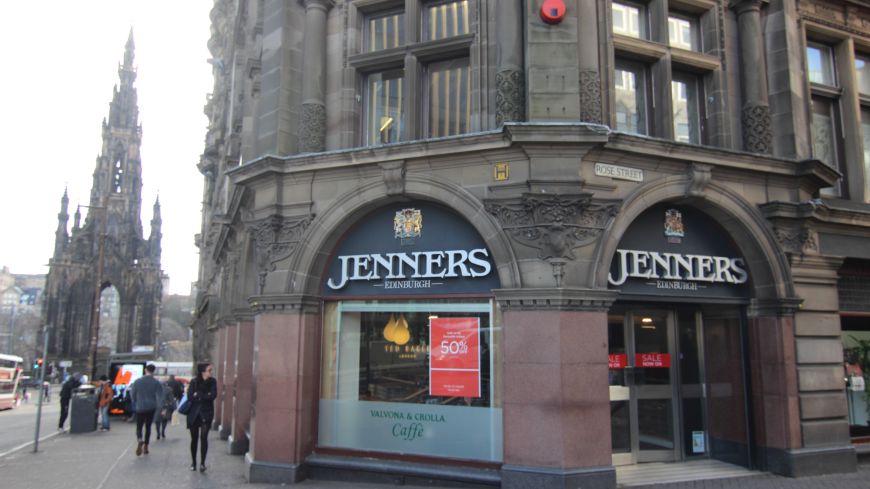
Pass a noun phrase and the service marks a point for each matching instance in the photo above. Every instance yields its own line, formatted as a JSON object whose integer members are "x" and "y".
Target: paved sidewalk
{"x": 102, "y": 460}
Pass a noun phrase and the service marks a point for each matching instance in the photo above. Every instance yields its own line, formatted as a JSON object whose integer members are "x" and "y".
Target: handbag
{"x": 184, "y": 405}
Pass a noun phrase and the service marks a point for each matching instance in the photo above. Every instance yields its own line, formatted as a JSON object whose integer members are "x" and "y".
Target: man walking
{"x": 71, "y": 384}
{"x": 147, "y": 397}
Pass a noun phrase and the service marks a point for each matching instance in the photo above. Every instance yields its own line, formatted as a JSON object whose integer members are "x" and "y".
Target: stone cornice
{"x": 784, "y": 307}
{"x": 284, "y": 303}
{"x": 563, "y": 299}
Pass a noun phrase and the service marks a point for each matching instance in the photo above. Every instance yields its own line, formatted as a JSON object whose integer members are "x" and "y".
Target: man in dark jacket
{"x": 66, "y": 391}
{"x": 147, "y": 396}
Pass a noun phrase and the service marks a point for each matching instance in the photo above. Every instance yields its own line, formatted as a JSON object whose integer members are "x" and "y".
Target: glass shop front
{"x": 410, "y": 360}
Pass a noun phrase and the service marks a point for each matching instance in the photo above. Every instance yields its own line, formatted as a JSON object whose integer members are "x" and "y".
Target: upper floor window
{"x": 631, "y": 100}
{"x": 684, "y": 103}
{"x": 384, "y": 31}
{"x": 449, "y": 98}
{"x": 683, "y": 32}
{"x": 446, "y": 19}
{"x": 820, "y": 64}
{"x": 862, "y": 69}
{"x": 629, "y": 20}
{"x": 383, "y": 108}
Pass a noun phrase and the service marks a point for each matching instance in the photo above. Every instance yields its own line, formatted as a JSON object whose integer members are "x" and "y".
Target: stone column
{"x": 825, "y": 443}
{"x": 312, "y": 123}
{"x": 219, "y": 367}
{"x": 286, "y": 385}
{"x": 510, "y": 77}
{"x": 755, "y": 112}
{"x": 228, "y": 391}
{"x": 590, "y": 76}
{"x": 244, "y": 381}
{"x": 556, "y": 394}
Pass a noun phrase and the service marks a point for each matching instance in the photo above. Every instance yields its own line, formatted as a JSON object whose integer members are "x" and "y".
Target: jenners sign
{"x": 677, "y": 252}
{"x": 674, "y": 266}
{"x": 416, "y": 268}
{"x": 410, "y": 248}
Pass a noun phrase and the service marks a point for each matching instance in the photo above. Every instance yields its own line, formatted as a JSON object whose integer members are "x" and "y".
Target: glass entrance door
{"x": 643, "y": 386}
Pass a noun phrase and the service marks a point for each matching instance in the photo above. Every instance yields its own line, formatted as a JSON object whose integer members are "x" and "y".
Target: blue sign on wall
{"x": 411, "y": 248}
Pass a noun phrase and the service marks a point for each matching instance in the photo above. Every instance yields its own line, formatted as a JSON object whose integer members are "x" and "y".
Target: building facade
{"x": 108, "y": 249}
{"x": 518, "y": 243}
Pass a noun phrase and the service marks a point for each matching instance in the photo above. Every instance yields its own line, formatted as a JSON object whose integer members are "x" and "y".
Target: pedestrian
{"x": 104, "y": 400}
{"x": 147, "y": 397}
{"x": 72, "y": 383}
{"x": 176, "y": 386}
{"x": 162, "y": 418}
{"x": 46, "y": 387}
{"x": 201, "y": 394}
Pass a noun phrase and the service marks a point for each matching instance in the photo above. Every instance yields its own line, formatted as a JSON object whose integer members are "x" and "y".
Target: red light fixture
{"x": 553, "y": 11}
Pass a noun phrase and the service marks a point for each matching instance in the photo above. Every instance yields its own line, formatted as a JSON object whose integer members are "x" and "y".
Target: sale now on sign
{"x": 454, "y": 359}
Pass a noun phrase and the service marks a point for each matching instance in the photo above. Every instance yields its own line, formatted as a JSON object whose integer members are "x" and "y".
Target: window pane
{"x": 627, "y": 20}
{"x": 865, "y": 133}
{"x": 384, "y": 122}
{"x": 820, "y": 64}
{"x": 681, "y": 33}
{"x": 823, "y": 132}
{"x": 446, "y": 20}
{"x": 385, "y": 31}
{"x": 862, "y": 68}
{"x": 379, "y": 384}
{"x": 684, "y": 95}
{"x": 449, "y": 98}
{"x": 630, "y": 100}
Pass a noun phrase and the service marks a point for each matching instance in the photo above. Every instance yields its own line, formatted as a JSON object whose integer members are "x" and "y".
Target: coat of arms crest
{"x": 674, "y": 225}
{"x": 408, "y": 224}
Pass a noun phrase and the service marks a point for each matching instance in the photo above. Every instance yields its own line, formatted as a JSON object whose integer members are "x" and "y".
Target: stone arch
{"x": 769, "y": 271}
{"x": 310, "y": 260}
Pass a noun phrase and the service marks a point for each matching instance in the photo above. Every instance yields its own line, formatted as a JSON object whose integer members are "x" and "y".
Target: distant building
{"x": 108, "y": 249}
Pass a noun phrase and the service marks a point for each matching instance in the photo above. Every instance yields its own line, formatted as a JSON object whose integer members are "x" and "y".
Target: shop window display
{"x": 411, "y": 377}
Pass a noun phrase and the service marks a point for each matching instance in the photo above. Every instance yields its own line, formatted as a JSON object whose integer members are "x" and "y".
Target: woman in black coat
{"x": 200, "y": 394}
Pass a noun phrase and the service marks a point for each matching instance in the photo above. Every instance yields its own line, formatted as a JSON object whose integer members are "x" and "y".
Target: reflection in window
{"x": 820, "y": 64}
{"x": 684, "y": 95}
{"x": 681, "y": 33}
{"x": 384, "y": 118}
{"x": 385, "y": 31}
{"x": 865, "y": 134}
{"x": 824, "y": 136}
{"x": 449, "y": 97}
{"x": 862, "y": 69}
{"x": 627, "y": 20}
{"x": 630, "y": 99}
{"x": 446, "y": 20}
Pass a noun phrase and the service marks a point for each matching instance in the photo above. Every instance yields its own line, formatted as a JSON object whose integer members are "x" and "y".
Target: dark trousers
{"x": 64, "y": 412}
{"x": 199, "y": 434}
{"x": 144, "y": 418}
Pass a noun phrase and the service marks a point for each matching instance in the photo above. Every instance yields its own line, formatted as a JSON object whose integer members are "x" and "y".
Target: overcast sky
{"x": 60, "y": 62}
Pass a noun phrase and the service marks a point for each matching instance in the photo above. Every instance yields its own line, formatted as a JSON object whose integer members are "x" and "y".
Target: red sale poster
{"x": 454, "y": 359}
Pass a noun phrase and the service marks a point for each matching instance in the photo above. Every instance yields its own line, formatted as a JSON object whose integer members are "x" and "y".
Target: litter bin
{"x": 83, "y": 410}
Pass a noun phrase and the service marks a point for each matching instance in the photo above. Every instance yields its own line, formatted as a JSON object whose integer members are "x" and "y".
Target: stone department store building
{"x": 519, "y": 244}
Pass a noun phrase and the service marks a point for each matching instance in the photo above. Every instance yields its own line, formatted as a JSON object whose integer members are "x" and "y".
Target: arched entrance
{"x": 676, "y": 340}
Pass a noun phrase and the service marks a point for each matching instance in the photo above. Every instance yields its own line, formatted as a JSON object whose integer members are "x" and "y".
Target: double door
{"x": 656, "y": 388}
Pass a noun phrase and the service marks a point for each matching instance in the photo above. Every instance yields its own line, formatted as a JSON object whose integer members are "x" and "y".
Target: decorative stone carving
{"x": 757, "y": 134}
{"x": 312, "y": 128}
{"x": 801, "y": 241}
{"x": 590, "y": 97}
{"x": 510, "y": 100}
{"x": 554, "y": 224}
{"x": 276, "y": 238}
{"x": 394, "y": 177}
{"x": 699, "y": 177}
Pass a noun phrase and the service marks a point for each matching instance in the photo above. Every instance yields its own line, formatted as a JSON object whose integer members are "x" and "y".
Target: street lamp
{"x": 95, "y": 316}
